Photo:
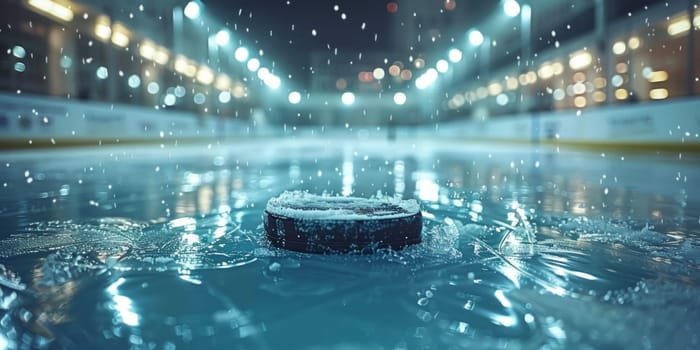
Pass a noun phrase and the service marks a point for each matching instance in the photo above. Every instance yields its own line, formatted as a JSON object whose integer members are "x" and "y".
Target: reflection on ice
{"x": 504, "y": 262}
{"x": 122, "y": 305}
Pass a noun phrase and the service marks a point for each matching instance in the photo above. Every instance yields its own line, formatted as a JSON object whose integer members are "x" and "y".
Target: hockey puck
{"x": 312, "y": 223}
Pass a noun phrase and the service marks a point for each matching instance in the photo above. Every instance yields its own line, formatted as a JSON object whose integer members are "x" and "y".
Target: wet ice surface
{"x": 163, "y": 248}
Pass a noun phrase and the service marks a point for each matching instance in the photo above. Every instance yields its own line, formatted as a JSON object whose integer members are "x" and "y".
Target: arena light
{"x": 253, "y": 64}
{"x": 53, "y": 9}
{"x": 223, "y": 82}
{"x": 455, "y": 55}
{"x": 678, "y": 27}
{"x": 476, "y": 38}
{"x": 580, "y": 60}
{"x": 205, "y": 75}
{"x": 185, "y": 66}
{"x": 162, "y": 56}
{"x": 272, "y": 81}
{"x": 241, "y": 54}
{"x": 658, "y": 94}
{"x": 347, "y": 98}
{"x": 658, "y": 76}
{"x": 222, "y": 37}
{"x": 442, "y": 66}
{"x": 511, "y": 8}
{"x": 400, "y": 98}
{"x": 294, "y": 97}
{"x": 120, "y": 35}
{"x": 263, "y": 72}
{"x": 192, "y": 10}
{"x": 147, "y": 50}
{"x": 378, "y": 73}
{"x": 103, "y": 28}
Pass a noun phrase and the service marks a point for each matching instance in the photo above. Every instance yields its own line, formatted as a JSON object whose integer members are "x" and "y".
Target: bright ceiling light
{"x": 222, "y": 37}
{"x": 455, "y": 55}
{"x": 241, "y": 54}
{"x": 120, "y": 35}
{"x": 223, "y": 82}
{"x": 272, "y": 81}
{"x": 294, "y": 97}
{"x": 580, "y": 60}
{"x": 511, "y": 8}
{"x": 475, "y": 37}
{"x": 348, "y": 98}
{"x": 442, "y": 66}
{"x": 147, "y": 50}
{"x": 52, "y": 8}
{"x": 103, "y": 28}
{"x": 192, "y": 10}
{"x": 185, "y": 66}
{"x": 253, "y": 64}
{"x": 399, "y": 98}
{"x": 263, "y": 72}
{"x": 378, "y": 73}
{"x": 205, "y": 75}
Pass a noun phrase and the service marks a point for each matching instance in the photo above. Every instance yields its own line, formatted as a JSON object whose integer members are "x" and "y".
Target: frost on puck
{"x": 312, "y": 223}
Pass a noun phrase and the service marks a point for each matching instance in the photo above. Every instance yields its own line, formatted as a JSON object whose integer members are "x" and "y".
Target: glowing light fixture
{"x": 455, "y": 55}
{"x": 511, "y": 8}
{"x": 619, "y": 48}
{"x": 678, "y": 27}
{"x": 633, "y": 43}
{"x": 147, "y": 50}
{"x": 395, "y": 70}
{"x": 223, "y": 82}
{"x": 205, "y": 75}
{"x": 224, "y": 97}
{"x": 253, "y": 64}
{"x": 272, "y": 81}
{"x": 348, "y": 98}
{"x": 185, "y": 66}
{"x": 162, "y": 56}
{"x": 546, "y": 71}
{"x": 241, "y": 54}
{"x": 294, "y": 97}
{"x": 222, "y": 37}
{"x": 557, "y": 68}
{"x": 53, "y": 9}
{"x": 621, "y": 94}
{"x": 192, "y": 10}
{"x": 263, "y": 72}
{"x": 476, "y": 38}
{"x": 511, "y": 83}
{"x": 400, "y": 98}
{"x": 658, "y": 76}
{"x": 419, "y": 63}
{"x": 442, "y": 66}
{"x": 378, "y": 73}
{"x": 120, "y": 35}
{"x": 103, "y": 28}
{"x": 658, "y": 94}
{"x": 495, "y": 88}
{"x": 580, "y": 60}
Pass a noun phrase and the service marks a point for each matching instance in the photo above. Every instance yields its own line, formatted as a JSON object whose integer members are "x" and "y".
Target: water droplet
{"x": 275, "y": 267}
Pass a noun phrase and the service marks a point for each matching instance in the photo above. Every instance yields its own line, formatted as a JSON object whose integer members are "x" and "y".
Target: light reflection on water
{"x": 520, "y": 250}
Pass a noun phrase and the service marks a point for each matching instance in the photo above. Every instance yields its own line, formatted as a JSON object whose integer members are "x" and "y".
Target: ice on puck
{"x": 306, "y": 222}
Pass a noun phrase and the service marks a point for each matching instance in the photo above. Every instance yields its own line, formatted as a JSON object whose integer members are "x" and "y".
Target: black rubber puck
{"x": 311, "y": 223}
